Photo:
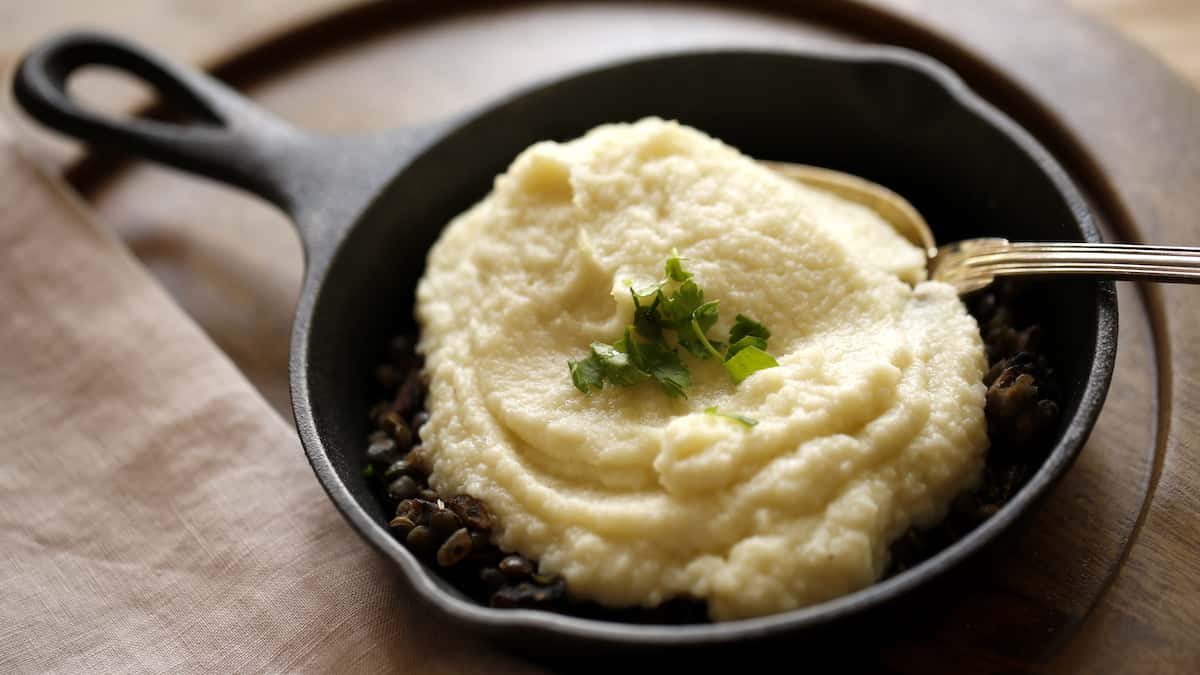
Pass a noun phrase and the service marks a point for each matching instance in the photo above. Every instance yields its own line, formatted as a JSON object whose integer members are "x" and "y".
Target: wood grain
{"x": 1104, "y": 576}
{"x": 1133, "y": 127}
{"x": 1170, "y": 29}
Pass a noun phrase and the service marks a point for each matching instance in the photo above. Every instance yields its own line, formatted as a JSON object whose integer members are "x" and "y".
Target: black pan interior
{"x": 879, "y": 118}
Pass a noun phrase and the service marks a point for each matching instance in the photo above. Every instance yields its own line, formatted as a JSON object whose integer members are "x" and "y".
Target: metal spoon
{"x": 972, "y": 264}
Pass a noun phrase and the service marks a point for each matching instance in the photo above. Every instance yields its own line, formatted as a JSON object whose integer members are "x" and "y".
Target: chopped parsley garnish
{"x": 744, "y": 326}
{"x": 741, "y": 419}
{"x": 684, "y": 312}
{"x": 675, "y": 271}
{"x": 747, "y": 361}
{"x": 587, "y": 374}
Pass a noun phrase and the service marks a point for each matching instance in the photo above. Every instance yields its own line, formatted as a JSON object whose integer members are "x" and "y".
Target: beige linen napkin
{"x": 155, "y": 513}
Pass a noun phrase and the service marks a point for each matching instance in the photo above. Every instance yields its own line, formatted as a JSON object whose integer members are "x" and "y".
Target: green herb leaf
{"x": 674, "y": 266}
{"x": 743, "y": 326}
{"x": 587, "y": 374}
{"x": 681, "y": 308}
{"x": 686, "y": 336}
{"x": 618, "y": 369}
{"x": 645, "y": 318}
{"x": 368, "y": 471}
{"x": 747, "y": 361}
{"x": 706, "y": 315}
{"x": 685, "y": 300}
{"x": 629, "y": 361}
{"x": 698, "y": 333}
{"x": 693, "y": 334}
{"x": 742, "y": 419}
{"x": 630, "y": 346}
{"x": 647, "y": 290}
{"x": 747, "y": 341}
{"x": 665, "y": 366}
{"x": 619, "y": 345}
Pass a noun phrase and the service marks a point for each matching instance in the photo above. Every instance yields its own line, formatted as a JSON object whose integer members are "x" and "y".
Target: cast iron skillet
{"x": 367, "y": 208}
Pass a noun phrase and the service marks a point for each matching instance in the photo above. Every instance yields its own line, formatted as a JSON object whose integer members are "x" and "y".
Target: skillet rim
{"x": 528, "y": 621}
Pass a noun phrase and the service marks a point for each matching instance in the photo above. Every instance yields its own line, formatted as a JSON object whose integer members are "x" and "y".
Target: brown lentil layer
{"x": 451, "y": 533}
{"x": 1022, "y": 413}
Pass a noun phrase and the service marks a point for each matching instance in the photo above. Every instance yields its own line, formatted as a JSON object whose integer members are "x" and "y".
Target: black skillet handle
{"x": 322, "y": 182}
{"x": 233, "y": 141}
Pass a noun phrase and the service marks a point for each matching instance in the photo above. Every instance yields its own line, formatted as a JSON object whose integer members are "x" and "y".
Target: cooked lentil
{"x": 1022, "y": 413}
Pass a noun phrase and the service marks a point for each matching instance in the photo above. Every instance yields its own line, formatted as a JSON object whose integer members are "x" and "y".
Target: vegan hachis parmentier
{"x": 872, "y": 422}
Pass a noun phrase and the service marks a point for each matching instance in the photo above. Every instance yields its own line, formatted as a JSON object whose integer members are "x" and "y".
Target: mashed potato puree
{"x": 873, "y": 421}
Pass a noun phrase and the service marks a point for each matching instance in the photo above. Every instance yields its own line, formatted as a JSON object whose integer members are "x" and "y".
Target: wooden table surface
{"x": 1168, "y": 28}
{"x": 197, "y": 33}
{"x": 200, "y": 34}
{"x": 1105, "y": 577}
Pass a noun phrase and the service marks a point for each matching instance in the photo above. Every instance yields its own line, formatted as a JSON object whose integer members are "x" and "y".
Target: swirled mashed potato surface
{"x": 872, "y": 422}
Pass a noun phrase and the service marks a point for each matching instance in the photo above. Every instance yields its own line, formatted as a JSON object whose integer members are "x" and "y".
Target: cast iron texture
{"x": 368, "y": 208}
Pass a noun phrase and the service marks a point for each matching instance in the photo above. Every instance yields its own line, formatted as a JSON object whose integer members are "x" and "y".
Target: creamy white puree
{"x": 872, "y": 422}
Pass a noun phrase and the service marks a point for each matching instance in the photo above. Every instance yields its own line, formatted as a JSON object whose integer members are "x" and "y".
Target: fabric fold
{"x": 158, "y": 515}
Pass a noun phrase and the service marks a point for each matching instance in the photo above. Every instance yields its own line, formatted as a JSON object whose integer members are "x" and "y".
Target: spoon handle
{"x": 972, "y": 264}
